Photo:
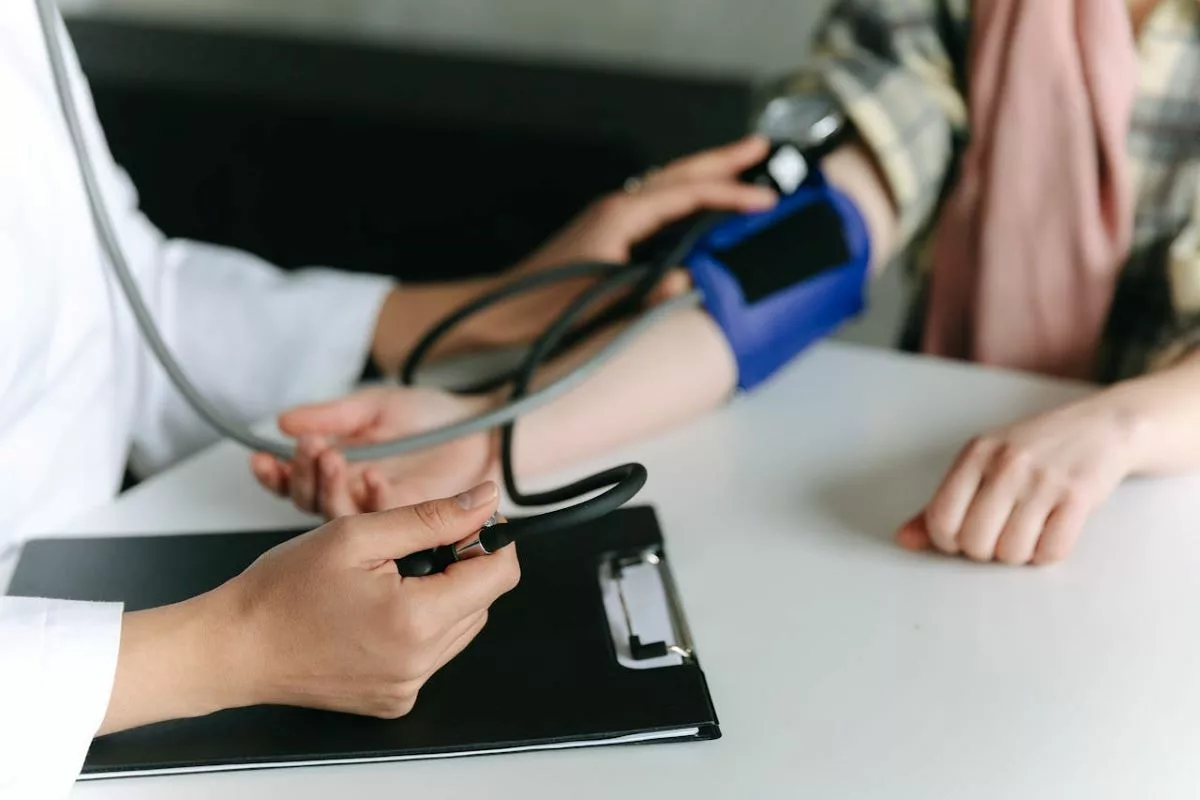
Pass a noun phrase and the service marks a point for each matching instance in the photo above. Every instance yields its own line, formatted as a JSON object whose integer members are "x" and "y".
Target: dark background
{"x": 422, "y": 165}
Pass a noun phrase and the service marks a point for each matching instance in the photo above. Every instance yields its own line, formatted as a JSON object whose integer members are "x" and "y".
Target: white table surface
{"x": 840, "y": 666}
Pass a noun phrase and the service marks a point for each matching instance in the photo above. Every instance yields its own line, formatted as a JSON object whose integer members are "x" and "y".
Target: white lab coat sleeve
{"x": 57, "y": 663}
{"x": 253, "y": 338}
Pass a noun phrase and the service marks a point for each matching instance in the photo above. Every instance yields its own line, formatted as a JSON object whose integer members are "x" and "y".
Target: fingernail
{"x": 483, "y": 493}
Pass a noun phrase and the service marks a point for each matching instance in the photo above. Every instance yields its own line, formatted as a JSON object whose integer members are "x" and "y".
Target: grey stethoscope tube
{"x": 50, "y": 21}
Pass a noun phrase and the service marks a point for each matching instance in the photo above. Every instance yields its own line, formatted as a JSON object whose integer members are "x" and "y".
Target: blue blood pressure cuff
{"x": 778, "y": 280}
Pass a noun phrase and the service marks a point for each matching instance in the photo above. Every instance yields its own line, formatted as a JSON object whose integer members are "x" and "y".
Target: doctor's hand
{"x": 607, "y": 230}
{"x": 320, "y": 480}
{"x": 611, "y": 227}
{"x": 1021, "y": 494}
{"x": 322, "y": 621}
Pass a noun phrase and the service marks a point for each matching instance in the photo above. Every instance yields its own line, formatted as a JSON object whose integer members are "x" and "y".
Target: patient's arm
{"x": 679, "y": 369}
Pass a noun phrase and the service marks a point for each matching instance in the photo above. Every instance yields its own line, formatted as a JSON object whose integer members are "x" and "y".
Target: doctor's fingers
{"x": 466, "y": 587}
{"x": 374, "y": 492}
{"x": 271, "y": 473}
{"x": 422, "y": 659}
{"x": 352, "y": 416}
{"x": 457, "y": 640}
{"x": 336, "y": 492}
{"x": 346, "y": 490}
{"x": 303, "y": 486}
{"x": 726, "y": 161}
{"x": 634, "y": 217}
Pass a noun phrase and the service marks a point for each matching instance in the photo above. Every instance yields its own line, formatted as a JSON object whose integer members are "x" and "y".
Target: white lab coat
{"x": 80, "y": 394}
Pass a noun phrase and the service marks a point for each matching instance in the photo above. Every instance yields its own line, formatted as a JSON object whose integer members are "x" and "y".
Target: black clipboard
{"x": 592, "y": 648}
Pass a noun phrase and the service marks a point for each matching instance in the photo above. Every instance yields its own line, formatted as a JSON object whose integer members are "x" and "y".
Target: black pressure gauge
{"x": 805, "y": 122}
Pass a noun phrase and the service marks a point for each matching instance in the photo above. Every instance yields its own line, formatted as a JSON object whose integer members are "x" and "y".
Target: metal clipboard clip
{"x": 645, "y": 616}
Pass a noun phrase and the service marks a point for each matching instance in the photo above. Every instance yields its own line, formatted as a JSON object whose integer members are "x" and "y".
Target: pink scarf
{"x": 1027, "y": 249}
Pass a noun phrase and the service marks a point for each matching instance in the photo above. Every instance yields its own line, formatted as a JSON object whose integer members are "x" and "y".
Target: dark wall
{"x": 420, "y": 165}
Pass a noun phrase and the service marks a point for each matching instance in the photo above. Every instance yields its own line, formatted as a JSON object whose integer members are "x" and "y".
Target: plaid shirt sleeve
{"x": 1165, "y": 160}
{"x": 1181, "y": 337}
{"x": 890, "y": 64}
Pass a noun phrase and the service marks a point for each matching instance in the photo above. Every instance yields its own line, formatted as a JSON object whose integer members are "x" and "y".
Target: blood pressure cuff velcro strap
{"x": 778, "y": 280}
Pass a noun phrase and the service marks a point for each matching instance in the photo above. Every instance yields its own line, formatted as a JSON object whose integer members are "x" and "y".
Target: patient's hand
{"x": 320, "y": 480}
{"x": 1021, "y": 494}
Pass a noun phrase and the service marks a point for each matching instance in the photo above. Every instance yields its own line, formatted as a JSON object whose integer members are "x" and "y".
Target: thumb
{"x": 398, "y": 532}
{"x": 341, "y": 417}
{"x": 913, "y": 534}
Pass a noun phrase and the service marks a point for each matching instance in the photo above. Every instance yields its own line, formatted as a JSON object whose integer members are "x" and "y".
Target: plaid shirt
{"x": 898, "y": 68}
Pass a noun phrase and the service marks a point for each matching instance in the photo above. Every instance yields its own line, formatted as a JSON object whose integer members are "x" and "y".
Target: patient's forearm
{"x": 682, "y": 367}
{"x": 679, "y": 369}
{"x": 1163, "y": 412}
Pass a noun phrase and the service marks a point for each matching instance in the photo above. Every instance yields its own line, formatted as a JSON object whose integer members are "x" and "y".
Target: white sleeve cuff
{"x": 57, "y": 663}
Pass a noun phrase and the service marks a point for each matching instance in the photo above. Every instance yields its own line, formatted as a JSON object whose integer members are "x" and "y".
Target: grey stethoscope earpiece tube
{"x": 232, "y": 428}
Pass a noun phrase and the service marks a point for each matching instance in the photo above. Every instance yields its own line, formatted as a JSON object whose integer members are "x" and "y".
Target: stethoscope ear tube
{"x": 234, "y": 429}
